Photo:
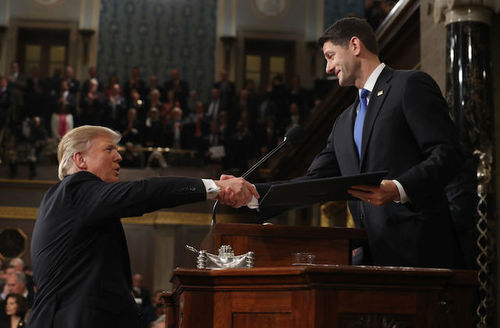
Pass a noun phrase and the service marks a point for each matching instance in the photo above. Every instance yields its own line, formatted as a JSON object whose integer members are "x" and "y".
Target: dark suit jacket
{"x": 79, "y": 251}
{"x": 181, "y": 92}
{"x": 407, "y": 132}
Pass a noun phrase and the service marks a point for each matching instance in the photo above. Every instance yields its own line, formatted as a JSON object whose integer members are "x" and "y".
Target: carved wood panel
{"x": 364, "y": 320}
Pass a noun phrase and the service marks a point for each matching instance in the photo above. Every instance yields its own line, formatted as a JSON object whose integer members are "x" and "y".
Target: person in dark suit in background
{"x": 401, "y": 125}
{"x": 86, "y": 83}
{"x": 4, "y": 101}
{"x": 141, "y": 294}
{"x": 80, "y": 259}
{"x": 179, "y": 87}
{"x": 227, "y": 91}
{"x": 73, "y": 84}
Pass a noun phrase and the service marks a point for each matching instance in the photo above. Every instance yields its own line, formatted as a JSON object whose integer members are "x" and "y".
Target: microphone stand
{"x": 250, "y": 171}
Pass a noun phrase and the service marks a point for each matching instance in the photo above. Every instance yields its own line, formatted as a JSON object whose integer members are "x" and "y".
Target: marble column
{"x": 470, "y": 99}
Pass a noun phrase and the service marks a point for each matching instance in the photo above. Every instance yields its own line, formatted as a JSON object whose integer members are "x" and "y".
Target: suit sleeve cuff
{"x": 403, "y": 197}
{"x": 211, "y": 188}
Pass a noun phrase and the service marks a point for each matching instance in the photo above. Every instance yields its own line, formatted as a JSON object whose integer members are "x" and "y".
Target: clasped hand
{"x": 235, "y": 192}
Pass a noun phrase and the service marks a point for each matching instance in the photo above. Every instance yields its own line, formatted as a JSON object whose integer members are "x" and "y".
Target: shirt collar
{"x": 372, "y": 79}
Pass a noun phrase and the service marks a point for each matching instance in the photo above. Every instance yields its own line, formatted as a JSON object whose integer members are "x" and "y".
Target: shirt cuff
{"x": 253, "y": 204}
{"x": 403, "y": 197}
{"x": 211, "y": 188}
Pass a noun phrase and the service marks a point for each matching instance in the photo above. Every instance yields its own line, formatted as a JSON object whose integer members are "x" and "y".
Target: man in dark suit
{"x": 73, "y": 84}
{"x": 227, "y": 91}
{"x": 179, "y": 87}
{"x": 400, "y": 125}
{"x": 79, "y": 253}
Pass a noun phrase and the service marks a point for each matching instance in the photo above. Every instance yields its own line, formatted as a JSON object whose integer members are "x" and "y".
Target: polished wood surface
{"x": 323, "y": 296}
{"x": 274, "y": 245}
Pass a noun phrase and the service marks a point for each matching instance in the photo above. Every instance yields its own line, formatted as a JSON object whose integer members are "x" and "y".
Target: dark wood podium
{"x": 274, "y": 245}
{"x": 322, "y": 296}
{"x": 329, "y": 293}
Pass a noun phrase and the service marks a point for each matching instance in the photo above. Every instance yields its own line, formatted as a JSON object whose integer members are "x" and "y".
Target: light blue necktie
{"x": 360, "y": 120}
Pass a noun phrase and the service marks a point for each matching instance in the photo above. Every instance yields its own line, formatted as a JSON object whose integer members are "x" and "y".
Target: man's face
{"x": 64, "y": 85}
{"x": 135, "y": 72}
{"x": 103, "y": 159}
{"x": 116, "y": 89}
{"x": 15, "y": 67}
{"x": 137, "y": 280}
{"x": 15, "y": 286}
{"x": 214, "y": 93}
{"x": 92, "y": 71}
{"x": 69, "y": 72}
{"x": 340, "y": 61}
{"x": 174, "y": 74}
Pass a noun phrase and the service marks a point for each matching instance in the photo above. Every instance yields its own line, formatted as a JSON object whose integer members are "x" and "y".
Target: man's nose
{"x": 118, "y": 157}
{"x": 329, "y": 67}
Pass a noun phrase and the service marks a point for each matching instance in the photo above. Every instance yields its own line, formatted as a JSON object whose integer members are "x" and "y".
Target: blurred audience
{"x": 231, "y": 129}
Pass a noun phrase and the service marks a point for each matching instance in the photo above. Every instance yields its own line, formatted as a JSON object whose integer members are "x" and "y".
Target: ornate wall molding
{"x": 451, "y": 11}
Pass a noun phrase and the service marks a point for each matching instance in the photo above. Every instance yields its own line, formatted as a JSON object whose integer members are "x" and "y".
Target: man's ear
{"x": 79, "y": 161}
{"x": 355, "y": 45}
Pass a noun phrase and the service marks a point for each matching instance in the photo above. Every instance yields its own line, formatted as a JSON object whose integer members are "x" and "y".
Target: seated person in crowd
{"x": 14, "y": 312}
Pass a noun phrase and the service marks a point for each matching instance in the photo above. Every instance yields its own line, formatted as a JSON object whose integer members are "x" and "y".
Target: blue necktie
{"x": 360, "y": 120}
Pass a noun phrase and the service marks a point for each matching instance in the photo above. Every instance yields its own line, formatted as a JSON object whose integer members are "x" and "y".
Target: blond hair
{"x": 79, "y": 140}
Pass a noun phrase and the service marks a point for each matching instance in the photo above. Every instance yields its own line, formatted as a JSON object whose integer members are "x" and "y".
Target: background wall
{"x": 335, "y": 10}
{"x": 158, "y": 36}
{"x": 63, "y": 14}
{"x": 433, "y": 45}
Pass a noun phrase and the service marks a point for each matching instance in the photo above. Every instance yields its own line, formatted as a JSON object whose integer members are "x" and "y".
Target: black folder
{"x": 303, "y": 193}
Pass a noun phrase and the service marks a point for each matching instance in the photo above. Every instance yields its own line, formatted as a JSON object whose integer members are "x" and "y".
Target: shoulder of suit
{"x": 401, "y": 73}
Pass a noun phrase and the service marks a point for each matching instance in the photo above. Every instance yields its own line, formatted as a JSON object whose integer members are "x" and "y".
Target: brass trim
{"x": 154, "y": 218}
{"x": 24, "y": 213}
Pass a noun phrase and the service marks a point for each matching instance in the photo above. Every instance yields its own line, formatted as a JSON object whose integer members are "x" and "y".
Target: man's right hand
{"x": 235, "y": 192}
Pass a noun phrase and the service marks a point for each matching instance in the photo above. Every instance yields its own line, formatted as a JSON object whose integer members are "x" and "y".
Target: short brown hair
{"x": 341, "y": 32}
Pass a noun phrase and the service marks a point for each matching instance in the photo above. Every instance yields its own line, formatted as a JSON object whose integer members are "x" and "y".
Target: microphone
{"x": 292, "y": 136}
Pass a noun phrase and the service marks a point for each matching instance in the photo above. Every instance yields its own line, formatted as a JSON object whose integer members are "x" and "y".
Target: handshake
{"x": 235, "y": 192}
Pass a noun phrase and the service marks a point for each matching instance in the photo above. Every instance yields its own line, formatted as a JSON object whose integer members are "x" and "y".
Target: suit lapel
{"x": 377, "y": 97}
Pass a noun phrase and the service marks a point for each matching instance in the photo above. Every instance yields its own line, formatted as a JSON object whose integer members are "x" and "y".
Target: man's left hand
{"x": 379, "y": 195}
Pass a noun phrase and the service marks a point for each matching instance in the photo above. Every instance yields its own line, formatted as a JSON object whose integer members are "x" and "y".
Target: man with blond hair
{"x": 79, "y": 253}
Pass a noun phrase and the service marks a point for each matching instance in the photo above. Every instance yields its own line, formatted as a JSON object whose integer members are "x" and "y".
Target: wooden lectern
{"x": 327, "y": 294}
{"x": 274, "y": 245}
{"x": 323, "y": 296}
